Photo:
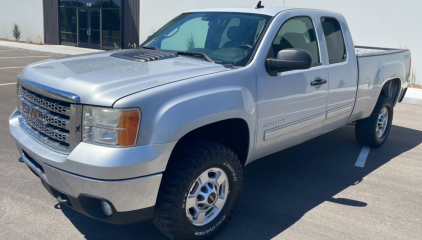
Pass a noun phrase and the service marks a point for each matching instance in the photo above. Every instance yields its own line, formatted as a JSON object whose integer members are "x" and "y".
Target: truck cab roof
{"x": 270, "y": 11}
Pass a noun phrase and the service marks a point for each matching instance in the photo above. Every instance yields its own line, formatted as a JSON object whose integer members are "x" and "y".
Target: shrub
{"x": 412, "y": 79}
{"x": 16, "y": 31}
{"x": 40, "y": 41}
{"x": 116, "y": 47}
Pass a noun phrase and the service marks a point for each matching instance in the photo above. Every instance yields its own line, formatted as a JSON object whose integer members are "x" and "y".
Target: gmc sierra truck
{"x": 163, "y": 131}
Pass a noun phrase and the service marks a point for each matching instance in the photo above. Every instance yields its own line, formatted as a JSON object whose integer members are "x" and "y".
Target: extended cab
{"x": 164, "y": 130}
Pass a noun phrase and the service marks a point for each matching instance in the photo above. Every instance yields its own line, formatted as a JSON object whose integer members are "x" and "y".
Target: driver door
{"x": 290, "y": 109}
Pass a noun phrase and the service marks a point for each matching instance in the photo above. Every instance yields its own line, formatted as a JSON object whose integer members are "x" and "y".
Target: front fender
{"x": 186, "y": 113}
{"x": 173, "y": 110}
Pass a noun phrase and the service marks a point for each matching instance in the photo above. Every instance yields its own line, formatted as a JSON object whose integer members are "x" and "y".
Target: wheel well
{"x": 232, "y": 133}
{"x": 391, "y": 89}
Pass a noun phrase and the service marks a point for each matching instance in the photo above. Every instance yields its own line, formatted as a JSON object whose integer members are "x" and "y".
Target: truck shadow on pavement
{"x": 279, "y": 189}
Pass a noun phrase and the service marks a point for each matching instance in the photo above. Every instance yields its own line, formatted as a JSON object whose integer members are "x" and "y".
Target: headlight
{"x": 117, "y": 127}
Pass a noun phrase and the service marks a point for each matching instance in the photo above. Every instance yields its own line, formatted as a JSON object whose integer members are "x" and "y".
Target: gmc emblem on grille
{"x": 33, "y": 113}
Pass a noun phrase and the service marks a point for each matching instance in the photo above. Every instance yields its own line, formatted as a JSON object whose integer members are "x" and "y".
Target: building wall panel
{"x": 28, "y": 14}
{"x": 51, "y": 21}
{"x": 130, "y": 23}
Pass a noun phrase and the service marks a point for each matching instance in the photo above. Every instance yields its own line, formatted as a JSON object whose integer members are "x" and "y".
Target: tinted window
{"x": 68, "y": 3}
{"x": 299, "y": 33}
{"x": 111, "y": 28}
{"x": 227, "y": 38}
{"x": 112, "y": 3}
{"x": 68, "y": 26}
{"x": 190, "y": 35}
{"x": 68, "y": 20}
{"x": 334, "y": 39}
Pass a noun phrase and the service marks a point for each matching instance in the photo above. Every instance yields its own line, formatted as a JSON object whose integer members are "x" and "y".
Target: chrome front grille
{"x": 51, "y": 132}
{"x": 40, "y": 102}
{"x": 51, "y": 122}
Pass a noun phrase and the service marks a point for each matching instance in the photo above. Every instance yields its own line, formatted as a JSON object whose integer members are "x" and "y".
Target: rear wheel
{"x": 199, "y": 191}
{"x": 373, "y": 131}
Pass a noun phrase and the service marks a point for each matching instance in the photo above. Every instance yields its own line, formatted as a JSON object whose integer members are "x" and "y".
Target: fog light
{"x": 106, "y": 208}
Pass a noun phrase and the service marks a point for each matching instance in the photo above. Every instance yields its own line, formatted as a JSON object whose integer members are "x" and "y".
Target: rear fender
{"x": 371, "y": 84}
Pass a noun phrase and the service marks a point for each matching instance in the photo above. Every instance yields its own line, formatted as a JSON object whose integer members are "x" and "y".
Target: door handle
{"x": 88, "y": 32}
{"x": 318, "y": 81}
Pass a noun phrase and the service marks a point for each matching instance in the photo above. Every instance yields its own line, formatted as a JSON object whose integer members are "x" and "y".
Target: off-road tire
{"x": 186, "y": 164}
{"x": 365, "y": 129}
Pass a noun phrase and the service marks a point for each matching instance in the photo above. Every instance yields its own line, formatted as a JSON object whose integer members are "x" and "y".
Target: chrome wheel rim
{"x": 382, "y": 122}
{"x": 207, "y": 196}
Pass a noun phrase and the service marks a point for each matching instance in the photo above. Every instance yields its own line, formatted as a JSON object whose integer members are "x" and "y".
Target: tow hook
{"x": 62, "y": 200}
{"x": 20, "y": 159}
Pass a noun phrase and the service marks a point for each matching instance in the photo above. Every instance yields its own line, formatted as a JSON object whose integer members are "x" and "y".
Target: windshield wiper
{"x": 197, "y": 54}
{"x": 151, "y": 47}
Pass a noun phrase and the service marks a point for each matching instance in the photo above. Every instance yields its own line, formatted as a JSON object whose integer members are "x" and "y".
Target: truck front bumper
{"x": 131, "y": 199}
{"x": 85, "y": 195}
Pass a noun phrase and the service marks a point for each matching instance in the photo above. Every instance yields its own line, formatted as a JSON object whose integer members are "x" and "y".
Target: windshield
{"x": 226, "y": 38}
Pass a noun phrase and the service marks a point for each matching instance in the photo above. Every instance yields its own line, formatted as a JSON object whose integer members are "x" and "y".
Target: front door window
{"x": 298, "y": 32}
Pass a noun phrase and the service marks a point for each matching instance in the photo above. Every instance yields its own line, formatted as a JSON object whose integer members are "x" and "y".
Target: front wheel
{"x": 199, "y": 191}
{"x": 373, "y": 131}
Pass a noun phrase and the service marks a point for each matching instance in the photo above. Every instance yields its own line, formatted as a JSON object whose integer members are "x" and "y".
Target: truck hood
{"x": 100, "y": 79}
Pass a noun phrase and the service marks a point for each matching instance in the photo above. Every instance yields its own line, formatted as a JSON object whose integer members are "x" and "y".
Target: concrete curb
{"x": 414, "y": 101}
{"x": 51, "y": 50}
{"x": 413, "y": 96}
{"x": 54, "y": 54}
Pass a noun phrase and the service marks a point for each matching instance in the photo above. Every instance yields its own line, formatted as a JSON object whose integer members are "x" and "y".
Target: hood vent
{"x": 144, "y": 55}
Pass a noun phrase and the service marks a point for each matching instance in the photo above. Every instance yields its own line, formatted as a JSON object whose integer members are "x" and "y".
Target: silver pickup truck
{"x": 163, "y": 131}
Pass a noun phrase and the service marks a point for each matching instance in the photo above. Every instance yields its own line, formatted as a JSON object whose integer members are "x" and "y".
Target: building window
{"x": 89, "y": 3}
{"x": 68, "y": 26}
{"x": 67, "y": 3}
{"x": 91, "y": 23}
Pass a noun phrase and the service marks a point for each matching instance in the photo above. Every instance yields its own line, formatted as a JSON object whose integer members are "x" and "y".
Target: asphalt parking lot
{"x": 310, "y": 191}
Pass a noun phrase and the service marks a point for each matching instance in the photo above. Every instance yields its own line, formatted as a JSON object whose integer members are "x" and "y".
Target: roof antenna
{"x": 258, "y": 6}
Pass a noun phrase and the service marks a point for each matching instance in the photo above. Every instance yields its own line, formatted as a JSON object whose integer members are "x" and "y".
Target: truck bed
{"x": 375, "y": 67}
{"x": 363, "y": 51}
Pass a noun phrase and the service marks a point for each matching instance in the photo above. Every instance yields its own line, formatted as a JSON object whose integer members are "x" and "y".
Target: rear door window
{"x": 334, "y": 40}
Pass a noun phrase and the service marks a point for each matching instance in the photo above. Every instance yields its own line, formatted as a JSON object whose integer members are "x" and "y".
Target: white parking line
{"x": 22, "y": 57}
{"x": 7, "y": 83}
{"x": 362, "y": 157}
{"x": 11, "y": 67}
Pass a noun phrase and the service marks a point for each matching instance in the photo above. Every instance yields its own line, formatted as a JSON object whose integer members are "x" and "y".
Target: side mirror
{"x": 290, "y": 59}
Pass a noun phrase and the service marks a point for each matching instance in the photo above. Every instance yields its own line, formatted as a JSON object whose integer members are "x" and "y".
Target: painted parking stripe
{"x": 362, "y": 157}
{"x": 7, "y": 84}
{"x": 22, "y": 57}
{"x": 11, "y": 67}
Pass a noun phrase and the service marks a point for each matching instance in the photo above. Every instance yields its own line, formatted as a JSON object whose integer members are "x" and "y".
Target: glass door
{"x": 89, "y": 28}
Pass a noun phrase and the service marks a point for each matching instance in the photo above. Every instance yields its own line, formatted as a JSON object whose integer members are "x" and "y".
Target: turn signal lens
{"x": 129, "y": 120}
